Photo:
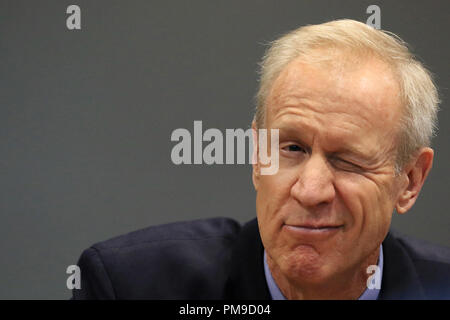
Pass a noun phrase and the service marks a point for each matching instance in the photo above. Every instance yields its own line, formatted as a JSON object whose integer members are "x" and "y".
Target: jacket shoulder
{"x": 432, "y": 263}
{"x": 182, "y": 260}
{"x": 423, "y": 250}
{"x": 177, "y": 231}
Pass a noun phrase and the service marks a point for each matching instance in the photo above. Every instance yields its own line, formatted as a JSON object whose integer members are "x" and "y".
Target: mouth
{"x": 314, "y": 227}
{"x": 312, "y": 231}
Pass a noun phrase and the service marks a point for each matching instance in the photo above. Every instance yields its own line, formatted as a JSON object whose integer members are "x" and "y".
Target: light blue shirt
{"x": 368, "y": 294}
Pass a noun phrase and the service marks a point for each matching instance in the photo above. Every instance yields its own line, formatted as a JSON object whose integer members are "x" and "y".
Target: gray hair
{"x": 418, "y": 92}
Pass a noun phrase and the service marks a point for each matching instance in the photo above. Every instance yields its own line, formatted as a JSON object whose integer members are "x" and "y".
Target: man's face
{"x": 329, "y": 206}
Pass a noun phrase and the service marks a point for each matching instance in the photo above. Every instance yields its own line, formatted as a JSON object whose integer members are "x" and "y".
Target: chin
{"x": 305, "y": 265}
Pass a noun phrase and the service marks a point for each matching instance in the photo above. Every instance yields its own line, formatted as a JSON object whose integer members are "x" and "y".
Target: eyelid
{"x": 347, "y": 162}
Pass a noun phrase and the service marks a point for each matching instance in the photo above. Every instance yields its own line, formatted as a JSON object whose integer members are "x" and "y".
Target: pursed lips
{"x": 312, "y": 228}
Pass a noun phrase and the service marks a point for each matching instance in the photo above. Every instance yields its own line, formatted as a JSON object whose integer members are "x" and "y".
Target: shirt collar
{"x": 368, "y": 294}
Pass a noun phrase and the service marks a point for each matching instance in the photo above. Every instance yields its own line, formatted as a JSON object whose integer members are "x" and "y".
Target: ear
{"x": 255, "y": 157}
{"x": 415, "y": 173}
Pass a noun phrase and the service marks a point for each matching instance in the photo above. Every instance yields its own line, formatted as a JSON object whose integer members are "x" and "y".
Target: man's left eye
{"x": 346, "y": 165}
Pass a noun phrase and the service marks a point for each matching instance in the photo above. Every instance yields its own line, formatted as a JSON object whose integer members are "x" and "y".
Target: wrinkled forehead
{"x": 366, "y": 88}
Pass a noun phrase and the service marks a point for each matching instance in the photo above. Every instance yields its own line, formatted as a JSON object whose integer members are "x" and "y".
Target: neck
{"x": 347, "y": 285}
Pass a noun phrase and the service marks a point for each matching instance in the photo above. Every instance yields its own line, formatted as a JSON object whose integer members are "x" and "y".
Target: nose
{"x": 314, "y": 185}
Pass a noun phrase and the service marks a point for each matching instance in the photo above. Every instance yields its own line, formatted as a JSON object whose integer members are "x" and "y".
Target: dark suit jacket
{"x": 219, "y": 259}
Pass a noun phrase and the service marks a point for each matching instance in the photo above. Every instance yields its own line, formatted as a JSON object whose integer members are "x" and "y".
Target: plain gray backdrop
{"x": 86, "y": 118}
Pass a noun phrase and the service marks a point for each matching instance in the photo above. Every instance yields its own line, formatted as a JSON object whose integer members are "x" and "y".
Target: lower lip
{"x": 312, "y": 233}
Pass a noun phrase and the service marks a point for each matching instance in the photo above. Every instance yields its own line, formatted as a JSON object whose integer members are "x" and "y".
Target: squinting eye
{"x": 345, "y": 165}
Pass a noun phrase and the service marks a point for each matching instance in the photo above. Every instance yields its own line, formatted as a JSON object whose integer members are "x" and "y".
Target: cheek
{"x": 273, "y": 192}
{"x": 272, "y": 196}
{"x": 369, "y": 207}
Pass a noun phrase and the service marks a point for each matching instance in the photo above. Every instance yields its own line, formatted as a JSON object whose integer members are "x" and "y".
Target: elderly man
{"x": 355, "y": 113}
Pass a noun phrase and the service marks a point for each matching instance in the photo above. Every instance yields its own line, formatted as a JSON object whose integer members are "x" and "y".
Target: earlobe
{"x": 415, "y": 173}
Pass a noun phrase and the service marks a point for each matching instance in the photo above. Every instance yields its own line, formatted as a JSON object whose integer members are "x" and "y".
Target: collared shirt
{"x": 368, "y": 294}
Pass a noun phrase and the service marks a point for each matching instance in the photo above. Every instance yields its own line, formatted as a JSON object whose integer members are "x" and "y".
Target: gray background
{"x": 86, "y": 118}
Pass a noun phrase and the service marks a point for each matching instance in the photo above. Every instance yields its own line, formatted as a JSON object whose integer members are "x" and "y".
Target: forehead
{"x": 360, "y": 93}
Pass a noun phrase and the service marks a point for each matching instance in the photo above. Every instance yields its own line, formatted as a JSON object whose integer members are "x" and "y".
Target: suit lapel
{"x": 400, "y": 279}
